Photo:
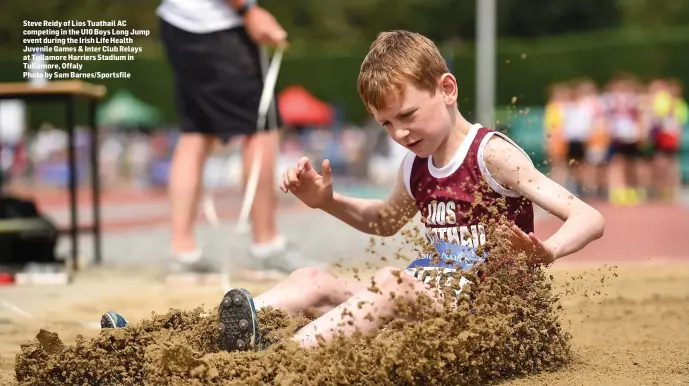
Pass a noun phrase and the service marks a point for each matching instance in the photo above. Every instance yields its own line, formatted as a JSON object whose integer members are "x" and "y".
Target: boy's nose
{"x": 401, "y": 134}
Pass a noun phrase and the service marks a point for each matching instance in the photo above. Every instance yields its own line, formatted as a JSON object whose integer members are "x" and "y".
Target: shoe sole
{"x": 108, "y": 320}
{"x": 238, "y": 323}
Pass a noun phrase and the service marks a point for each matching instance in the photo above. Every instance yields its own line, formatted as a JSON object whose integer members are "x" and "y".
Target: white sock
{"x": 264, "y": 250}
{"x": 190, "y": 256}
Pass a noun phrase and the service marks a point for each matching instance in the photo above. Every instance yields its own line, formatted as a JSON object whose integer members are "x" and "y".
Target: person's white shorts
{"x": 439, "y": 275}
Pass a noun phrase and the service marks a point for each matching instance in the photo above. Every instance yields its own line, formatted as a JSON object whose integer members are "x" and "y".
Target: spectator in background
{"x": 12, "y": 129}
{"x": 560, "y": 95}
{"x": 597, "y": 144}
{"x": 580, "y": 116}
{"x": 668, "y": 118}
{"x": 623, "y": 116}
{"x": 212, "y": 46}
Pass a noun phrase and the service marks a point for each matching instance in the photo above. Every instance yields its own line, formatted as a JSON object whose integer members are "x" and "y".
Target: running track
{"x": 647, "y": 232}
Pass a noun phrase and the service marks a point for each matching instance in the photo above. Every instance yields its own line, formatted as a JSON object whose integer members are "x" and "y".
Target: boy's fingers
{"x": 520, "y": 234}
{"x": 292, "y": 177}
{"x": 304, "y": 164}
{"x": 285, "y": 182}
{"x": 327, "y": 172}
{"x": 534, "y": 238}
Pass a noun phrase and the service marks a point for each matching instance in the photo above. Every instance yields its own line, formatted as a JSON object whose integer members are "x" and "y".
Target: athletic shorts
{"x": 627, "y": 150}
{"x": 440, "y": 277}
{"x": 218, "y": 81}
{"x": 576, "y": 150}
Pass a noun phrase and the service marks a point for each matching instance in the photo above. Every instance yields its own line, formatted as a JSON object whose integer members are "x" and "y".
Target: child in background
{"x": 560, "y": 95}
{"x": 669, "y": 116}
{"x": 579, "y": 120}
{"x": 597, "y": 145}
{"x": 623, "y": 120}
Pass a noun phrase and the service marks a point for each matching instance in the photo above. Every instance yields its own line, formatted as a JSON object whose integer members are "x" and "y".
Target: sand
{"x": 502, "y": 326}
{"x": 624, "y": 324}
{"x": 602, "y": 324}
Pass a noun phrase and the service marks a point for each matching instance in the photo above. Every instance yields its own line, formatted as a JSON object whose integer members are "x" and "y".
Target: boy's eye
{"x": 408, "y": 114}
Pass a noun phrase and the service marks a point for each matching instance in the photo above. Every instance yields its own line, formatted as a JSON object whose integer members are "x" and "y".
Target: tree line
{"x": 337, "y": 25}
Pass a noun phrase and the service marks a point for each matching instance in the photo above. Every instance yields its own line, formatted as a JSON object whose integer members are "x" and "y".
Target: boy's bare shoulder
{"x": 501, "y": 152}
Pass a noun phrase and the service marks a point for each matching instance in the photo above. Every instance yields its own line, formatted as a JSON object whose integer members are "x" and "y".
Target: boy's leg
{"x": 305, "y": 290}
{"x": 308, "y": 289}
{"x": 366, "y": 310}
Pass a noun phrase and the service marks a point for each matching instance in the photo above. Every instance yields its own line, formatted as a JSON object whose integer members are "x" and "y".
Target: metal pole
{"x": 73, "y": 183}
{"x": 95, "y": 183}
{"x": 486, "y": 13}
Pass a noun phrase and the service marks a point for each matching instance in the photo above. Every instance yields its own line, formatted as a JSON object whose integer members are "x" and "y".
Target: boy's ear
{"x": 448, "y": 84}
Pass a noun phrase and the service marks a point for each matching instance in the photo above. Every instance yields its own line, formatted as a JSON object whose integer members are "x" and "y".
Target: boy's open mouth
{"x": 414, "y": 145}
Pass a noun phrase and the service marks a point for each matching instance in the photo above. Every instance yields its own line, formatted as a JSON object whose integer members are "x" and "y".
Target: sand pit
{"x": 505, "y": 326}
{"x": 628, "y": 328}
{"x": 599, "y": 324}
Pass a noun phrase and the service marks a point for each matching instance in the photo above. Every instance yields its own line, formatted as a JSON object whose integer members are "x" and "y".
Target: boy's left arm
{"x": 514, "y": 170}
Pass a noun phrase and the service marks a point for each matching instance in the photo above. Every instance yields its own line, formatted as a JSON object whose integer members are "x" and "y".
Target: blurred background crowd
{"x": 619, "y": 140}
{"x": 592, "y": 89}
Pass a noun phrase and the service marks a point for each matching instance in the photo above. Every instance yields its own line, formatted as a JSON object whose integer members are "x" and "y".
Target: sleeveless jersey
{"x": 460, "y": 201}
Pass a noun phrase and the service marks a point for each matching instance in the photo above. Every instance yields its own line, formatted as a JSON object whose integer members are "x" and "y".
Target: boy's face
{"x": 419, "y": 120}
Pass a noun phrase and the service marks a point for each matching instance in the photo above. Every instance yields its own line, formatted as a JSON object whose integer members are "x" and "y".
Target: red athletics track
{"x": 646, "y": 232}
{"x": 651, "y": 231}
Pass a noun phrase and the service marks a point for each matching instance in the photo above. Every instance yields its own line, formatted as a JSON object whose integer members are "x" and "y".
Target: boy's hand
{"x": 535, "y": 249}
{"x": 305, "y": 183}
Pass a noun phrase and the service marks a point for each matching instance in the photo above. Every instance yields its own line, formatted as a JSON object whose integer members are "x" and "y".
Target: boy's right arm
{"x": 374, "y": 216}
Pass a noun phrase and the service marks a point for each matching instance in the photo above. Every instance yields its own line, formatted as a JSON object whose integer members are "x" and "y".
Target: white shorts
{"x": 437, "y": 274}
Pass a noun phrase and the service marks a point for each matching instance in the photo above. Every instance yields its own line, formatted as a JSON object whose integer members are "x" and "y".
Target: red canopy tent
{"x": 299, "y": 108}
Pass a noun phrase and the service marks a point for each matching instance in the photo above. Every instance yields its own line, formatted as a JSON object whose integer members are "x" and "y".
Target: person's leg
{"x": 639, "y": 173}
{"x": 556, "y": 158}
{"x": 306, "y": 290}
{"x": 368, "y": 310}
{"x": 664, "y": 170}
{"x": 558, "y": 171}
{"x": 569, "y": 162}
{"x": 186, "y": 171}
{"x": 578, "y": 166}
{"x": 675, "y": 180}
{"x": 616, "y": 178}
{"x": 595, "y": 157}
{"x": 265, "y": 201}
{"x": 192, "y": 59}
{"x": 271, "y": 255}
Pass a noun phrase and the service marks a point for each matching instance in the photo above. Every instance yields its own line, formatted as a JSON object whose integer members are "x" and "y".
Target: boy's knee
{"x": 391, "y": 279}
{"x": 316, "y": 281}
{"x": 307, "y": 274}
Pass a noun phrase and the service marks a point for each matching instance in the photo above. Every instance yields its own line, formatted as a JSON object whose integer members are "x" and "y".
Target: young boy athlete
{"x": 405, "y": 83}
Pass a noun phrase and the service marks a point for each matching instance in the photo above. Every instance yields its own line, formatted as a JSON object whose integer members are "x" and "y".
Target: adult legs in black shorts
{"x": 218, "y": 83}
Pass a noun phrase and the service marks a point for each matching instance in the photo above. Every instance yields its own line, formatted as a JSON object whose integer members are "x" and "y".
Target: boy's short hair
{"x": 397, "y": 57}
